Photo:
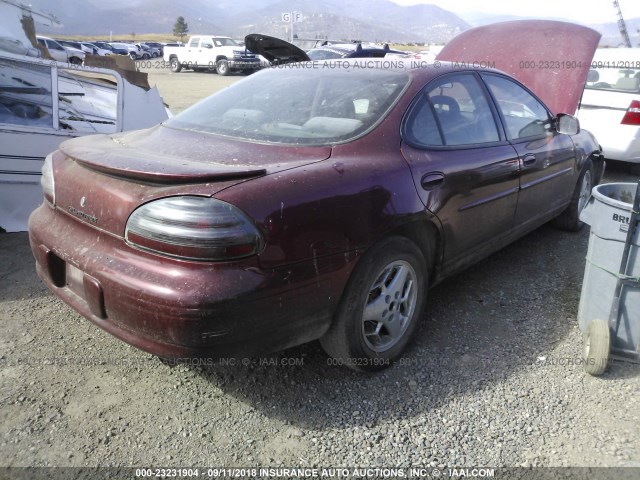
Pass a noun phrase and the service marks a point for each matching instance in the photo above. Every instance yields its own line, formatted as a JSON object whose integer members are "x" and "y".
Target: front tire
{"x": 381, "y": 307}
{"x": 222, "y": 67}
{"x": 570, "y": 219}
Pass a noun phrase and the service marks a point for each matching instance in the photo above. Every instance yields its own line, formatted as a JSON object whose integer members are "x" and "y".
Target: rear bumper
{"x": 619, "y": 142}
{"x": 180, "y": 309}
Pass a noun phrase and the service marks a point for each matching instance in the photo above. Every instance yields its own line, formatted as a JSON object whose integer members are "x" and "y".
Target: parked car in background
{"x": 111, "y": 48}
{"x": 76, "y": 45}
{"x": 103, "y": 52}
{"x": 56, "y": 50}
{"x": 157, "y": 45}
{"x": 211, "y": 52}
{"x": 76, "y": 55}
{"x": 132, "y": 50}
{"x": 351, "y": 50}
{"x": 147, "y": 51}
{"x": 278, "y": 52}
{"x": 155, "y": 52}
{"x": 610, "y": 105}
{"x": 309, "y": 203}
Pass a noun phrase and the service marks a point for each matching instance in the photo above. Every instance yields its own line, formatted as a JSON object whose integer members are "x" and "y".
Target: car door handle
{"x": 431, "y": 181}
{"x": 529, "y": 159}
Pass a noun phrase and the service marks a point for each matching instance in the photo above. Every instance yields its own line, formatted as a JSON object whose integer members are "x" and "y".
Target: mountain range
{"x": 372, "y": 20}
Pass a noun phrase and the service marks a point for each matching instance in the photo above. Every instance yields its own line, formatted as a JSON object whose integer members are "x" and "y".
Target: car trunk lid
{"x": 101, "y": 179}
{"x": 168, "y": 156}
{"x": 551, "y": 58}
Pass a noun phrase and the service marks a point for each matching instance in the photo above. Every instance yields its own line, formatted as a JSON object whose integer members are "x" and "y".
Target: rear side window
{"x": 452, "y": 111}
{"x": 194, "y": 42}
{"x": 524, "y": 115}
{"x": 608, "y": 76}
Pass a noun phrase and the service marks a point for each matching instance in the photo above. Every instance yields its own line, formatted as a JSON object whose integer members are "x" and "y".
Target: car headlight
{"x": 194, "y": 228}
{"x": 47, "y": 182}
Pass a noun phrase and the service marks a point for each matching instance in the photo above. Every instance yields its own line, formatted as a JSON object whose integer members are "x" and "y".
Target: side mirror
{"x": 567, "y": 124}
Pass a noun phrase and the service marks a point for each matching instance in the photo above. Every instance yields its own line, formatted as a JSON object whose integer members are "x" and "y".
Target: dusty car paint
{"x": 319, "y": 209}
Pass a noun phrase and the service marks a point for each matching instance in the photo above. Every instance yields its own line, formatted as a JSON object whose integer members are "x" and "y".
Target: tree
{"x": 180, "y": 29}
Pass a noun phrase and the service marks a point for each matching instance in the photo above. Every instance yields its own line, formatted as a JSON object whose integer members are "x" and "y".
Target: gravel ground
{"x": 493, "y": 379}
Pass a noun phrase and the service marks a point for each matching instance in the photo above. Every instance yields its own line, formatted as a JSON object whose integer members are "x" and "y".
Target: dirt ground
{"x": 183, "y": 89}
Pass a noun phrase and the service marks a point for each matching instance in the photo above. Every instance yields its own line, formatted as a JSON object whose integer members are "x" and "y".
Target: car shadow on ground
{"x": 482, "y": 326}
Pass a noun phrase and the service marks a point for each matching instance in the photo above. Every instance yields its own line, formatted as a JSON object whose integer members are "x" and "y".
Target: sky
{"x": 582, "y": 11}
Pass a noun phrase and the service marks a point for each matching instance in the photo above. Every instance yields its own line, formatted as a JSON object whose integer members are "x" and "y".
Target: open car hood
{"x": 274, "y": 49}
{"x": 551, "y": 58}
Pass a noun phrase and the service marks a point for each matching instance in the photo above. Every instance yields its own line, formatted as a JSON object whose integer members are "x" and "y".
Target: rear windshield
{"x": 326, "y": 54}
{"x": 614, "y": 76}
{"x": 297, "y": 105}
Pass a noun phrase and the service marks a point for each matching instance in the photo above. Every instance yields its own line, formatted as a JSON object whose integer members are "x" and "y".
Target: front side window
{"x": 297, "y": 105}
{"x": 452, "y": 111}
{"x": 524, "y": 115}
{"x": 225, "y": 42}
{"x": 608, "y": 76}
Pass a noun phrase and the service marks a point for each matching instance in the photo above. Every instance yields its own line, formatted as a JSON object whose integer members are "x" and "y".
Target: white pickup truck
{"x": 210, "y": 52}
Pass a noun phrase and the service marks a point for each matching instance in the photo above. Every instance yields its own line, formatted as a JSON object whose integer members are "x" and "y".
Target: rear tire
{"x": 176, "y": 66}
{"x": 570, "y": 219}
{"x": 381, "y": 307}
{"x": 596, "y": 347}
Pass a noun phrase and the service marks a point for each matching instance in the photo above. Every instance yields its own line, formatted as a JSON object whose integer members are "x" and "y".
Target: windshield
{"x": 225, "y": 42}
{"x": 297, "y": 105}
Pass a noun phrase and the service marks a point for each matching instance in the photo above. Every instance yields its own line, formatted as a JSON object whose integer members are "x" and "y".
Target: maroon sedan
{"x": 314, "y": 201}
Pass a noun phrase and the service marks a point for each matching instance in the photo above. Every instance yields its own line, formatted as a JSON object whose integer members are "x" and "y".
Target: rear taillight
{"x": 47, "y": 182}
{"x": 194, "y": 228}
{"x": 632, "y": 117}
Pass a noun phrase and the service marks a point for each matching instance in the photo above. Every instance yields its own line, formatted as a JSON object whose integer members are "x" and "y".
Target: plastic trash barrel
{"x": 608, "y": 213}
